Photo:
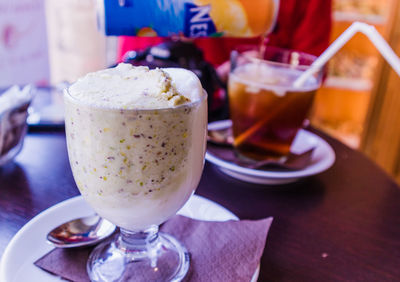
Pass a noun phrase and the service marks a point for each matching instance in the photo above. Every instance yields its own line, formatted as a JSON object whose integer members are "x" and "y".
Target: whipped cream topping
{"x": 137, "y": 87}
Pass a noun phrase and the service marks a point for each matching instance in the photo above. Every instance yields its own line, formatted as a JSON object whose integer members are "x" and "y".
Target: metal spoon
{"x": 81, "y": 232}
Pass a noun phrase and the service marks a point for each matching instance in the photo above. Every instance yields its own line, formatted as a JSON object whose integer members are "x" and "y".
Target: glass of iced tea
{"x": 266, "y": 109}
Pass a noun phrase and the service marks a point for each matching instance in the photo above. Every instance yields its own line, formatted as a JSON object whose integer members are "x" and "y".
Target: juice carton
{"x": 189, "y": 18}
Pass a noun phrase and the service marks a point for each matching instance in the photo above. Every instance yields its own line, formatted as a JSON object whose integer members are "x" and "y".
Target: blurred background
{"x": 49, "y": 42}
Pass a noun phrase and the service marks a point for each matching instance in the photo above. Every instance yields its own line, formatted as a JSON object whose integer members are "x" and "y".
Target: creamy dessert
{"x": 136, "y": 141}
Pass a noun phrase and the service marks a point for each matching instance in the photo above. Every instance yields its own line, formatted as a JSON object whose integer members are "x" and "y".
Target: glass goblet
{"x": 136, "y": 168}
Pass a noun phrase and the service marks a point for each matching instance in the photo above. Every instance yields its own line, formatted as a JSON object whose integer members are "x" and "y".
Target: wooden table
{"x": 343, "y": 224}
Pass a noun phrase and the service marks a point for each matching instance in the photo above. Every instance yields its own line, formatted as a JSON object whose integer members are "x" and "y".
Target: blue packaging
{"x": 155, "y": 18}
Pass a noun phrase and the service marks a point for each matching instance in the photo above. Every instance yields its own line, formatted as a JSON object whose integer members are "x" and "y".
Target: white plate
{"x": 322, "y": 158}
{"x": 29, "y": 244}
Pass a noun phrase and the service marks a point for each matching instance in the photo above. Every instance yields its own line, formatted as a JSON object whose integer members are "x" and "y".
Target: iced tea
{"x": 266, "y": 110}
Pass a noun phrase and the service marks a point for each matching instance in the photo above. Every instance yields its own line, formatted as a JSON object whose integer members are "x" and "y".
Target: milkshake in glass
{"x": 136, "y": 144}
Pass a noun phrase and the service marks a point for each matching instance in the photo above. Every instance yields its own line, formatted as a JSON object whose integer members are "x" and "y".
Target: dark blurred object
{"x": 14, "y": 103}
{"x": 185, "y": 55}
{"x": 46, "y": 111}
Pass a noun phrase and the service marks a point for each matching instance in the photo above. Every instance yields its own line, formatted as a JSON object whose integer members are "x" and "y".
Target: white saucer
{"x": 29, "y": 244}
{"x": 322, "y": 158}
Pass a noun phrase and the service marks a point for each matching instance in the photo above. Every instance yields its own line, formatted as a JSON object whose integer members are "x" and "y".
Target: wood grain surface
{"x": 340, "y": 225}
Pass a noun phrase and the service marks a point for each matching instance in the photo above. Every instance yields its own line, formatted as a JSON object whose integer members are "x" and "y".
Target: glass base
{"x": 158, "y": 257}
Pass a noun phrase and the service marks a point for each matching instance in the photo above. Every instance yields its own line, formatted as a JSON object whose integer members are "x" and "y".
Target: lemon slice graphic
{"x": 146, "y": 32}
{"x": 229, "y": 17}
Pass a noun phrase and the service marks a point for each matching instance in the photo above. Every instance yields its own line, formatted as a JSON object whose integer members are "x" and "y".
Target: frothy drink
{"x": 266, "y": 110}
{"x": 136, "y": 141}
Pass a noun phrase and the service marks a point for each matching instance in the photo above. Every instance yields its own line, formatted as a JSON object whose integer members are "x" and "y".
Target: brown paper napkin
{"x": 220, "y": 144}
{"x": 291, "y": 162}
{"x": 220, "y": 251}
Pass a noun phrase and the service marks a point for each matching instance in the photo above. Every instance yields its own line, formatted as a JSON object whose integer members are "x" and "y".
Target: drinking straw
{"x": 373, "y": 35}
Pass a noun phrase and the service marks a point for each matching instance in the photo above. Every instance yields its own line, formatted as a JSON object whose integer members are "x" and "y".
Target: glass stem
{"x": 139, "y": 245}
